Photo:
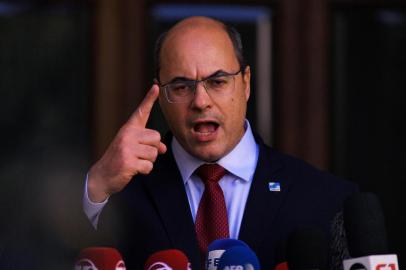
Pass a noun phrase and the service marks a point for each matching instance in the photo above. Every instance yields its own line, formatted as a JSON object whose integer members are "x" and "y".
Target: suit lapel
{"x": 169, "y": 195}
{"x": 263, "y": 202}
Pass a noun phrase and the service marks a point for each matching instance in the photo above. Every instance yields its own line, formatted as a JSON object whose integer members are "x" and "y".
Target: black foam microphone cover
{"x": 307, "y": 249}
{"x": 364, "y": 225}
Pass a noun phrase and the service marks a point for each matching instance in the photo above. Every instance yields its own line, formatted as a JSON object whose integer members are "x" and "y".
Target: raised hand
{"x": 133, "y": 151}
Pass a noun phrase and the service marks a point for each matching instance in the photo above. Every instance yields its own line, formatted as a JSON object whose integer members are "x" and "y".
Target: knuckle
{"x": 150, "y": 166}
{"x": 128, "y": 131}
{"x": 154, "y": 135}
{"x": 140, "y": 111}
{"x": 146, "y": 167}
{"x": 154, "y": 153}
{"x": 158, "y": 136}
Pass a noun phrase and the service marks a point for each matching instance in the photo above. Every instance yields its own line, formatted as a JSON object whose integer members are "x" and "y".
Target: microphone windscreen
{"x": 282, "y": 266}
{"x": 225, "y": 243}
{"x": 216, "y": 249}
{"x": 239, "y": 257}
{"x": 167, "y": 259}
{"x": 364, "y": 225}
{"x": 101, "y": 258}
{"x": 307, "y": 249}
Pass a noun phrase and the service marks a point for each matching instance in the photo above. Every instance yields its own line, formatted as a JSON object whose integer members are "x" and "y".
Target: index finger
{"x": 141, "y": 115}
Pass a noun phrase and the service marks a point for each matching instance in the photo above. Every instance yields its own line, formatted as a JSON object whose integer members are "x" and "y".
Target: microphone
{"x": 239, "y": 258}
{"x": 307, "y": 250}
{"x": 217, "y": 248}
{"x": 99, "y": 258}
{"x": 280, "y": 256}
{"x": 364, "y": 226}
{"x": 282, "y": 266}
{"x": 170, "y": 259}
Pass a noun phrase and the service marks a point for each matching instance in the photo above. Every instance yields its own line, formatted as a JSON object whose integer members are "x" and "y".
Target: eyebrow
{"x": 219, "y": 72}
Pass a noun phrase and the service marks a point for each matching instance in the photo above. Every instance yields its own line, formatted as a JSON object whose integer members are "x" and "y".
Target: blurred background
{"x": 328, "y": 86}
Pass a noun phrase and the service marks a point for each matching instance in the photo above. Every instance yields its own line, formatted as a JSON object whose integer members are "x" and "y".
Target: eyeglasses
{"x": 183, "y": 91}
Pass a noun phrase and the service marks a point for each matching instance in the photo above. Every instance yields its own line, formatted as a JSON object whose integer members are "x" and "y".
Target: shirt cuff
{"x": 92, "y": 209}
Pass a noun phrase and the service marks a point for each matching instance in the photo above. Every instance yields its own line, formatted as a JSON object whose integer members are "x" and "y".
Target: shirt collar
{"x": 246, "y": 149}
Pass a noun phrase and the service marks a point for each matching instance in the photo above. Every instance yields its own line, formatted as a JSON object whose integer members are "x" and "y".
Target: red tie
{"x": 211, "y": 219}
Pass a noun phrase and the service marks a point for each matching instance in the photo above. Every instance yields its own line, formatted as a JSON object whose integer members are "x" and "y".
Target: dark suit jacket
{"x": 152, "y": 213}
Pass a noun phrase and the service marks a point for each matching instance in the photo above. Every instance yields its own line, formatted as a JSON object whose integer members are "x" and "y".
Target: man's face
{"x": 207, "y": 127}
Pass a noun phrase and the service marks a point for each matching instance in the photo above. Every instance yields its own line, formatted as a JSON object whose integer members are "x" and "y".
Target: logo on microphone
{"x": 358, "y": 266}
{"x": 213, "y": 259}
{"x": 85, "y": 264}
{"x": 160, "y": 266}
{"x": 249, "y": 266}
{"x": 384, "y": 266}
{"x": 120, "y": 265}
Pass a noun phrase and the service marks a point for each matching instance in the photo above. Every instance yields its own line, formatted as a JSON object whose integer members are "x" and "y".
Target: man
{"x": 203, "y": 86}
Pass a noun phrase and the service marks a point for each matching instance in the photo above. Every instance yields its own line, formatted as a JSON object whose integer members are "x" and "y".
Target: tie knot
{"x": 210, "y": 172}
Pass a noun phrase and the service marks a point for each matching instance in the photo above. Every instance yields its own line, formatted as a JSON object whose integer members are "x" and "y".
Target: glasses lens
{"x": 219, "y": 84}
{"x": 179, "y": 91}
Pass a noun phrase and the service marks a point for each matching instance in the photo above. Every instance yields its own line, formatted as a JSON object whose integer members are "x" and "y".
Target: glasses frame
{"x": 164, "y": 86}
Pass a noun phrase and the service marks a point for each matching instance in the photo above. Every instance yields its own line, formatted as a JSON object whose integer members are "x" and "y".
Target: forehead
{"x": 197, "y": 51}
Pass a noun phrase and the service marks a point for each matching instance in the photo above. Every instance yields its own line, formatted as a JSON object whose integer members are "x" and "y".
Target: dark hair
{"x": 233, "y": 34}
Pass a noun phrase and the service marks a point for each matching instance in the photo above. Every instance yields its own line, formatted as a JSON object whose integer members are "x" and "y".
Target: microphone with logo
{"x": 99, "y": 258}
{"x": 239, "y": 258}
{"x": 366, "y": 234}
{"x": 170, "y": 259}
{"x": 307, "y": 250}
{"x": 216, "y": 249}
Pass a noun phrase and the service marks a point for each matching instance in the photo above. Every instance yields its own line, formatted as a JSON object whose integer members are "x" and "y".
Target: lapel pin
{"x": 274, "y": 186}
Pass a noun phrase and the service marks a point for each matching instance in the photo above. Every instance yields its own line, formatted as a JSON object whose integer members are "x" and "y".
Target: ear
{"x": 247, "y": 82}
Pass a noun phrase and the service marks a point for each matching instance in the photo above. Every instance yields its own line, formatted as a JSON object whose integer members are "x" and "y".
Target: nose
{"x": 201, "y": 99}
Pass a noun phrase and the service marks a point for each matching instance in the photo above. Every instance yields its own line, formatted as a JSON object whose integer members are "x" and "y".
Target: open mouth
{"x": 205, "y": 128}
